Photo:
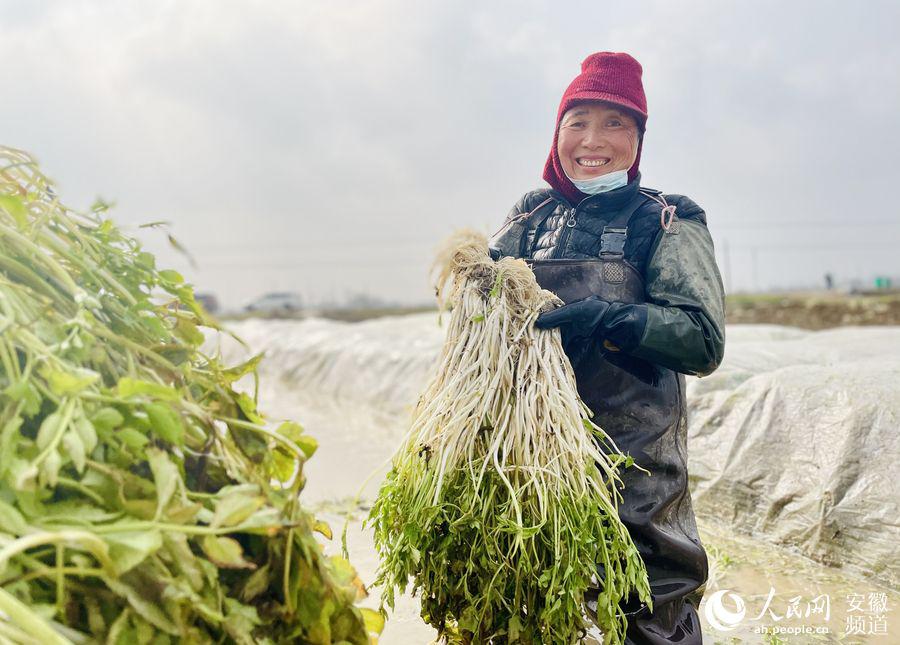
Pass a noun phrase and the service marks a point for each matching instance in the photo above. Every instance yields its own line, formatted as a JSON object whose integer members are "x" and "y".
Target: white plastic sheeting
{"x": 381, "y": 363}
{"x": 794, "y": 439}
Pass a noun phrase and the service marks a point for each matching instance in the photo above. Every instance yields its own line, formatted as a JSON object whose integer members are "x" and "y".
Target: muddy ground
{"x": 814, "y": 310}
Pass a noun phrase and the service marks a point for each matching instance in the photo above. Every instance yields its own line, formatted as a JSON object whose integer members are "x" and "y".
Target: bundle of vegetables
{"x": 142, "y": 498}
{"x": 501, "y": 501}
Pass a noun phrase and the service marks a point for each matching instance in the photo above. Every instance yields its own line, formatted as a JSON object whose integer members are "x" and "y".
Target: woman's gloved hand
{"x": 578, "y": 320}
{"x": 617, "y": 325}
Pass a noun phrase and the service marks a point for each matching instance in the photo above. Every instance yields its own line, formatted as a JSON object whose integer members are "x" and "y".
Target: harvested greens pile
{"x": 137, "y": 502}
{"x": 502, "y": 499}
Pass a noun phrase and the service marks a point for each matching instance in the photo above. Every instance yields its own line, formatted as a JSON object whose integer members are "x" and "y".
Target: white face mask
{"x": 601, "y": 184}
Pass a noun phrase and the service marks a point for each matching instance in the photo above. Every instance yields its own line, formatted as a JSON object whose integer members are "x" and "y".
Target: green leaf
{"x": 8, "y": 437}
{"x": 171, "y": 277}
{"x": 282, "y": 465}
{"x": 71, "y": 511}
{"x": 248, "y": 367}
{"x": 27, "y": 392}
{"x": 128, "y": 549}
{"x": 234, "y": 508}
{"x": 48, "y": 471}
{"x": 468, "y": 619}
{"x": 11, "y": 520}
{"x": 266, "y": 521}
{"x": 128, "y": 387}
{"x": 75, "y": 449}
{"x": 346, "y": 577}
{"x": 132, "y": 438}
{"x": 322, "y": 527}
{"x": 107, "y": 419}
{"x": 240, "y": 620}
{"x": 373, "y": 620}
{"x": 184, "y": 559}
{"x": 189, "y": 332}
{"x": 107, "y": 227}
{"x": 65, "y": 383}
{"x": 248, "y": 407}
{"x": 290, "y": 430}
{"x": 256, "y": 583}
{"x": 182, "y": 511}
{"x": 22, "y": 475}
{"x": 48, "y": 430}
{"x": 225, "y": 552}
{"x": 294, "y": 432}
{"x": 308, "y": 445}
{"x": 251, "y": 443}
{"x": 165, "y": 475}
{"x": 157, "y": 327}
{"x": 146, "y": 260}
{"x": 514, "y": 627}
{"x": 165, "y": 422}
{"x": 86, "y": 433}
{"x": 144, "y": 601}
{"x": 89, "y": 321}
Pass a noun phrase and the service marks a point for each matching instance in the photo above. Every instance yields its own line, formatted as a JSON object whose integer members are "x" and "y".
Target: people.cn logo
{"x": 719, "y": 616}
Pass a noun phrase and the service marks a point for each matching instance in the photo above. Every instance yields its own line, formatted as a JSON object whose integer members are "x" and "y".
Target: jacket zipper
{"x": 566, "y": 232}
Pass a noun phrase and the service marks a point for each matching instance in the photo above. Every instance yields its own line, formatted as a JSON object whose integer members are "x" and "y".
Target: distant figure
{"x": 829, "y": 282}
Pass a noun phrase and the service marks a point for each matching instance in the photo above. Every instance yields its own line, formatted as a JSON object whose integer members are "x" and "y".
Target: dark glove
{"x": 617, "y": 325}
{"x": 577, "y": 320}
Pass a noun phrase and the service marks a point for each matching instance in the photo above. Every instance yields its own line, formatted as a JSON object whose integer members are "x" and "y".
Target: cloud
{"x": 327, "y": 147}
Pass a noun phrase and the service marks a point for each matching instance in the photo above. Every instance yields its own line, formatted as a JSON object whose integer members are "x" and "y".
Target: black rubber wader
{"x": 641, "y": 406}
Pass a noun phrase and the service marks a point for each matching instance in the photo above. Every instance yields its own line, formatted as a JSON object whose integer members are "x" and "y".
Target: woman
{"x": 644, "y": 305}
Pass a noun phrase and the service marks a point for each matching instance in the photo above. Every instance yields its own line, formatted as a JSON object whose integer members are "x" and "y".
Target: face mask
{"x": 601, "y": 184}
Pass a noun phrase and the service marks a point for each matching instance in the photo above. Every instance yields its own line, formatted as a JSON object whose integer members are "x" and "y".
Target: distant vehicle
{"x": 208, "y": 301}
{"x": 283, "y": 302}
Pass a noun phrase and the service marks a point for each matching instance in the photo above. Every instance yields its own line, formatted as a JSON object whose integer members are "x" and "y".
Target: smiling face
{"x": 595, "y": 139}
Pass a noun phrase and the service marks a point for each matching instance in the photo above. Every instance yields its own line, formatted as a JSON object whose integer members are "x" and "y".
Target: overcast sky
{"x": 327, "y": 147}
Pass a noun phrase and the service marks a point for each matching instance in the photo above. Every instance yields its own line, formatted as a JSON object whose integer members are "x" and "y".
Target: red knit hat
{"x": 605, "y": 76}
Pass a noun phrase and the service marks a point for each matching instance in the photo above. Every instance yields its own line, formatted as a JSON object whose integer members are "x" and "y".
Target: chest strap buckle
{"x": 612, "y": 242}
